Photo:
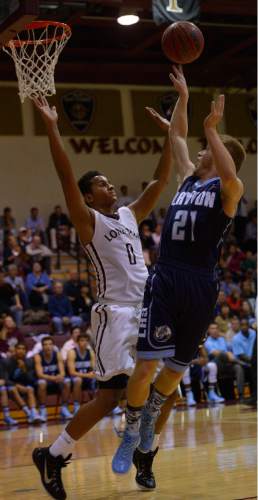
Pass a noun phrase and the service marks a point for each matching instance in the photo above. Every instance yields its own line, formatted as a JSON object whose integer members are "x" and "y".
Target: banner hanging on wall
{"x": 169, "y": 11}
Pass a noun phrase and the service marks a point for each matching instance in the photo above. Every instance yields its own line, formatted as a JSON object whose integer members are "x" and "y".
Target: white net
{"x": 35, "y": 53}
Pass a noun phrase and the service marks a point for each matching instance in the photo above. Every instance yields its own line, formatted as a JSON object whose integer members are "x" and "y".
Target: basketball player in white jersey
{"x": 111, "y": 240}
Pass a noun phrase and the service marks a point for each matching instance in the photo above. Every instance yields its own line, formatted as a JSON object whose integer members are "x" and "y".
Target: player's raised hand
{"x": 179, "y": 81}
{"x": 162, "y": 122}
{"x": 216, "y": 114}
{"x": 49, "y": 114}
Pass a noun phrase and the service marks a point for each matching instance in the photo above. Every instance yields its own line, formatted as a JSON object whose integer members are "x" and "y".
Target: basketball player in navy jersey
{"x": 181, "y": 294}
{"x": 111, "y": 240}
{"x": 80, "y": 365}
{"x": 50, "y": 371}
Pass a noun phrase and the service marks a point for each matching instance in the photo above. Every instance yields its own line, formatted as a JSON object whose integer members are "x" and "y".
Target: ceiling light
{"x": 127, "y": 17}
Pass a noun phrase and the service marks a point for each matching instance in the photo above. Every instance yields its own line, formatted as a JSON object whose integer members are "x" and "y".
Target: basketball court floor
{"x": 205, "y": 454}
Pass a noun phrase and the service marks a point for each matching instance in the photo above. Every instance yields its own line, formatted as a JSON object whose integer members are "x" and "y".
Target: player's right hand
{"x": 179, "y": 81}
{"x": 49, "y": 114}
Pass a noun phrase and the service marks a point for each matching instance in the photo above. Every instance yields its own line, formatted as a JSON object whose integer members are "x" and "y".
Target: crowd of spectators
{"x": 29, "y": 295}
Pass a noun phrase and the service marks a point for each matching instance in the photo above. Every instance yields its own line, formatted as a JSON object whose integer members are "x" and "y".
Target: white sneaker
{"x": 214, "y": 398}
{"x": 117, "y": 411}
{"x": 190, "y": 399}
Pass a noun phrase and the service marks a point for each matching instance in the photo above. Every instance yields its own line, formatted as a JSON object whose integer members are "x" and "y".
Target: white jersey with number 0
{"x": 116, "y": 254}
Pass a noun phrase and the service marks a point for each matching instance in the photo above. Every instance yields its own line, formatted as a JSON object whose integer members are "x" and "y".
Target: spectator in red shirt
{"x": 234, "y": 260}
{"x": 234, "y": 301}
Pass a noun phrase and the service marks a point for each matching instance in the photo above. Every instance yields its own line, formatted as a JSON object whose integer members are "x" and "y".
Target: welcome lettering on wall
{"x": 134, "y": 145}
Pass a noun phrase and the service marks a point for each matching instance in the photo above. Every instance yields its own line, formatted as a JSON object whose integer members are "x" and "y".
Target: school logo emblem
{"x": 79, "y": 108}
{"x": 162, "y": 333}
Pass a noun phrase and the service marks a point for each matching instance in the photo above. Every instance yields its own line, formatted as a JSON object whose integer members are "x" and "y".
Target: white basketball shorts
{"x": 115, "y": 333}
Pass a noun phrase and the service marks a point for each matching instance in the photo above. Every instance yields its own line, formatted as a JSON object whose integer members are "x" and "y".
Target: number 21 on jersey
{"x": 180, "y": 223}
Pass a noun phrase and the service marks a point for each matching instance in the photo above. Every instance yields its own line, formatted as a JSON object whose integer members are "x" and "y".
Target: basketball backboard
{"x": 14, "y": 15}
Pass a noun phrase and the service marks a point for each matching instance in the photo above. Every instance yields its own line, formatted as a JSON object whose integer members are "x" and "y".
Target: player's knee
{"x": 145, "y": 370}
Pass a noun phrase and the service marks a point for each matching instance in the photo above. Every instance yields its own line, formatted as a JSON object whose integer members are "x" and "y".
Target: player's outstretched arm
{"x": 81, "y": 216}
{"x": 178, "y": 129}
{"x": 231, "y": 186}
{"x": 149, "y": 198}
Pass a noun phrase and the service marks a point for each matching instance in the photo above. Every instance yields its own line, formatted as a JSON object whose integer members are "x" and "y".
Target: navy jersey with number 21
{"x": 195, "y": 225}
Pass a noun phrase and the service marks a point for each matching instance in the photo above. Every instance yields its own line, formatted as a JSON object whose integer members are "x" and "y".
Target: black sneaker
{"x": 50, "y": 471}
{"x": 143, "y": 463}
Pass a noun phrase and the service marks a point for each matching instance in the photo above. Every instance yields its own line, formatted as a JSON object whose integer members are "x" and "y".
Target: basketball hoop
{"x": 35, "y": 52}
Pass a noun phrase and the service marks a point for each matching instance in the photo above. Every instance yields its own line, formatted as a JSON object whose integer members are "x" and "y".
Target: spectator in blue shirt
{"x": 38, "y": 285}
{"x": 243, "y": 342}
{"x": 243, "y": 346}
{"x": 215, "y": 343}
{"x": 61, "y": 310}
{"x": 34, "y": 222}
{"x": 219, "y": 350}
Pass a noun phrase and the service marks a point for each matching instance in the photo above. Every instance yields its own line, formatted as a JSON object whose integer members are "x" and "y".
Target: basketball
{"x": 182, "y": 42}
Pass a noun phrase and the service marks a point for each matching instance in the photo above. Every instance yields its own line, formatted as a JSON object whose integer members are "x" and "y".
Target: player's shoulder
{"x": 127, "y": 213}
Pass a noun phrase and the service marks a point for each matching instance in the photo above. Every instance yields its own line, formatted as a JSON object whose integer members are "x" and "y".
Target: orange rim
{"x": 42, "y": 24}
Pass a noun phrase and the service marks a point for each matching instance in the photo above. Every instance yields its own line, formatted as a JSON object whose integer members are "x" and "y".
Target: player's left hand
{"x": 162, "y": 122}
{"x": 216, "y": 114}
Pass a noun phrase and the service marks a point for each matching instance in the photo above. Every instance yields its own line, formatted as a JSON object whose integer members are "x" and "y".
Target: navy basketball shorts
{"x": 177, "y": 309}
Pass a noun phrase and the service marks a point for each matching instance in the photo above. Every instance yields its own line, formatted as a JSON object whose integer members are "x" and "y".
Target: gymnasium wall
{"x": 105, "y": 128}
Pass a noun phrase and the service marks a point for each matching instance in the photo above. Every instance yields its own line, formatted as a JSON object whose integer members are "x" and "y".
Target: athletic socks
{"x": 154, "y": 403}
{"x": 63, "y": 445}
{"x": 155, "y": 443}
{"x": 133, "y": 419}
{"x": 26, "y": 410}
